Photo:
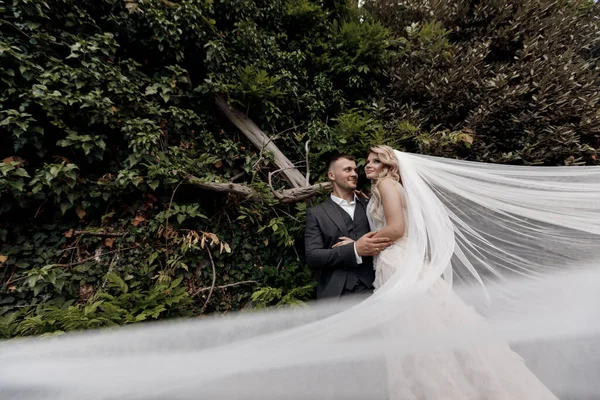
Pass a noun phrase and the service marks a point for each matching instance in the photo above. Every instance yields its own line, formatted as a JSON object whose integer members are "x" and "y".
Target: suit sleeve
{"x": 319, "y": 257}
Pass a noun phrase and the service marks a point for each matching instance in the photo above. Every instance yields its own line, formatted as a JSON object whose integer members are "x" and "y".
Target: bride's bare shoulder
{"x": 388, "y": 182}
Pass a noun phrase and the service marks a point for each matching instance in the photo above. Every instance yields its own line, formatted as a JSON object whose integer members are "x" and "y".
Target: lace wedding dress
{"x": 491, "y": 372}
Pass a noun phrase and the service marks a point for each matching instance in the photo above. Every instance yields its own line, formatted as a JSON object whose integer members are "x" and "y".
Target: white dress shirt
{"x": 349, "y": 208}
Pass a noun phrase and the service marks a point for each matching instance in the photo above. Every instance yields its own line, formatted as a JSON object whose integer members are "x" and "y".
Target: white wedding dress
{"x": 490, "y": 372}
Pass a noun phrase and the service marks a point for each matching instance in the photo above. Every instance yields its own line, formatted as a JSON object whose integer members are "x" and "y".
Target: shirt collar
{"x": 342, "y": 202}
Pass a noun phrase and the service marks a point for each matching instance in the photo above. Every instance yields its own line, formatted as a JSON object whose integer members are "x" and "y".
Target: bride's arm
{"x": 392, "y": 203}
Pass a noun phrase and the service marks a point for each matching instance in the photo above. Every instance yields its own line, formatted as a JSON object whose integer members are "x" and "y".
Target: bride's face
{"x": 374, "y": 166}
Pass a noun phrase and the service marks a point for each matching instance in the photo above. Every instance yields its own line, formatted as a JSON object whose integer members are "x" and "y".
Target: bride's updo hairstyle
{"x": 390, "y": 170}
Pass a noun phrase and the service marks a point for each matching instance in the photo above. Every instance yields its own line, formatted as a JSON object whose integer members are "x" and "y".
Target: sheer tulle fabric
{"x": 520, "y": 243}
{"x": 482, "y": 371}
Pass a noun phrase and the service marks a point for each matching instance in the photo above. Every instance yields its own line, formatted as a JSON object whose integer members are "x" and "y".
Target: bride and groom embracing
{"x": 359, "y": 245}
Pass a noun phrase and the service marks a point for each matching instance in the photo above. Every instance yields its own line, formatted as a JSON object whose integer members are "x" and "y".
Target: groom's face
{"x": 344, "y": 174}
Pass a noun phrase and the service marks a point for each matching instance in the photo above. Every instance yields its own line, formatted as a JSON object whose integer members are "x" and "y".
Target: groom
{"x": 348, "y": 269}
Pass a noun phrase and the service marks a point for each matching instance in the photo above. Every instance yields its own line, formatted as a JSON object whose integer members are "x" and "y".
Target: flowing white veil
{"x": 522, "y": 245}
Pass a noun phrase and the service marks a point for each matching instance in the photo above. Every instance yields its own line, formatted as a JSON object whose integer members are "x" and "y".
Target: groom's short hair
{"x": 336, "y": 156}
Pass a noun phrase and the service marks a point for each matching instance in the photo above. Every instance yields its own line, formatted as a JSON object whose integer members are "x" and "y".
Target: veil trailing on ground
{"x": 522, "y": 245}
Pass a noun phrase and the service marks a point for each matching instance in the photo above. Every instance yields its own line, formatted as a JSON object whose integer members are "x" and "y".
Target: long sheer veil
{"x": 520, "y": 243}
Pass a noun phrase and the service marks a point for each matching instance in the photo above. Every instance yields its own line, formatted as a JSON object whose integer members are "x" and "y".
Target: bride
{"x": 479, "y": 372}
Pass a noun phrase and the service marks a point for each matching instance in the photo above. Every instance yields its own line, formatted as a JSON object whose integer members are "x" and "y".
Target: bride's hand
{"x": 342, "y": 242}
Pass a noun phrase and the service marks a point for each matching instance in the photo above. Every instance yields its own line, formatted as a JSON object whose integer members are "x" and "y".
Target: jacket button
{"x": 358, "y": 275}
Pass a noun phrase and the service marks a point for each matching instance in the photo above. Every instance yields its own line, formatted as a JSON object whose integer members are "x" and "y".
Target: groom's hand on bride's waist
{"x": 369, "y": 245}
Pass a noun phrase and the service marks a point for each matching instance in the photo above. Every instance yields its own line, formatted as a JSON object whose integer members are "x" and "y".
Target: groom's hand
{"x": 368, "y": 245}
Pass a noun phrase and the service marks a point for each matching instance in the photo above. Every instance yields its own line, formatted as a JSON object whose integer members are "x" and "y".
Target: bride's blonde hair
{"x": 391, "y": 170}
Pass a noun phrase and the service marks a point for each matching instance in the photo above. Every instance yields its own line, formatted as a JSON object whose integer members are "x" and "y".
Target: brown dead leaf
{"x": 108, "y": 242}
{"x": 10, "y": 159}
{"x": 218, "y": 164}
{"x": 137, "y": 220}
{"x": 466, "y": 138}
{"x": 80, "y": 212}
{"x": 133, "y": 8}
{"x": 115, "y": 109}
{"x": 61, "y": 158}
{"x": 3, "y": 258}
{"x": 12, "y": 288}
{"x": 86, "y": 291}
{"x": 266, "y": 242}
{"x": 227, "y": 248}
{"x": 68, "y": 233}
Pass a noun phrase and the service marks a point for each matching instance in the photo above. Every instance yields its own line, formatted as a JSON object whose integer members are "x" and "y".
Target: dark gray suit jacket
{"x": 324, "y": 226}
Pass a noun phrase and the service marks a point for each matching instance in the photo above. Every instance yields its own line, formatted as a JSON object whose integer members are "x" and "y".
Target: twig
{"x": 278, "y": 134}
{"x": 110, "y": 268}
{"x": 77, "y": 249}
{"x": 39, "y": 208}
{"x": 230, "y": 223}
{"x": 197, "y": 292}
{"x": 26, "y": 305}
{"x": 289, "y": 215}
{"x": 233, "y": 178}
{"x": 92, "y": 258}
{"x": 16, "y": 280}
{"x": 167, "y": 222}
{"x": 67, "y": 249}
{"x": 307, "y": 166}
{"x": 276, "y": 171}
{"x": 100, "y": 233}
{"x": 16, "y": 27}
{"x": 9, "y": 281}
{"x": 212, "y": 287}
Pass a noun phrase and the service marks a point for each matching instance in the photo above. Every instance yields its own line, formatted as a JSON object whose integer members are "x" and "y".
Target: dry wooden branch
{"x": 212, "y": 286}
{"x": 284, "y": 196}
{"x": 301, "y": 193}
{"x": 233, "y": 188}
{"x": 92, "y": 258}
{"x": 222, "y": 286}
{"x": 307, "y": 165}
{"x": 100, "y": 233}
{"x": 261, "y": 141}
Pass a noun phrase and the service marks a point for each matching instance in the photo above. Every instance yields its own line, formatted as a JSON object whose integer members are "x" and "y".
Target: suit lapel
{"x": 333, "y": 212}
{"x": 364, "y": 203}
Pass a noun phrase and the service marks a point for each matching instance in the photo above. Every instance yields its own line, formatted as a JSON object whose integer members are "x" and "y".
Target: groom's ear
{"x": 330, "y": 175}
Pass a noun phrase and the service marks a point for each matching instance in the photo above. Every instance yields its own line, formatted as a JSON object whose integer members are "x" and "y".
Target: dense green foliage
{"x": 108, "y": 107}
{"x": 518, "y": 79}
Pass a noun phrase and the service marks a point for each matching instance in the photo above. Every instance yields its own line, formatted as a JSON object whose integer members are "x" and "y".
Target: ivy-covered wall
{"x": 108, "y": 109}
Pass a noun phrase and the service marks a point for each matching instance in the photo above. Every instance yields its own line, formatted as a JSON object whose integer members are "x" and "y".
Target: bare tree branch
{"x": 261, "y": 141}
{"x": 284, "y": 196}
{"x": 233, "y": 188}
{"x": 100, "y": 233}
{"x": 307, "y": 165}
{"x": 222, "y": 286}
{"x": 214, "y": 280}
{"x": 302, "y": 193}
